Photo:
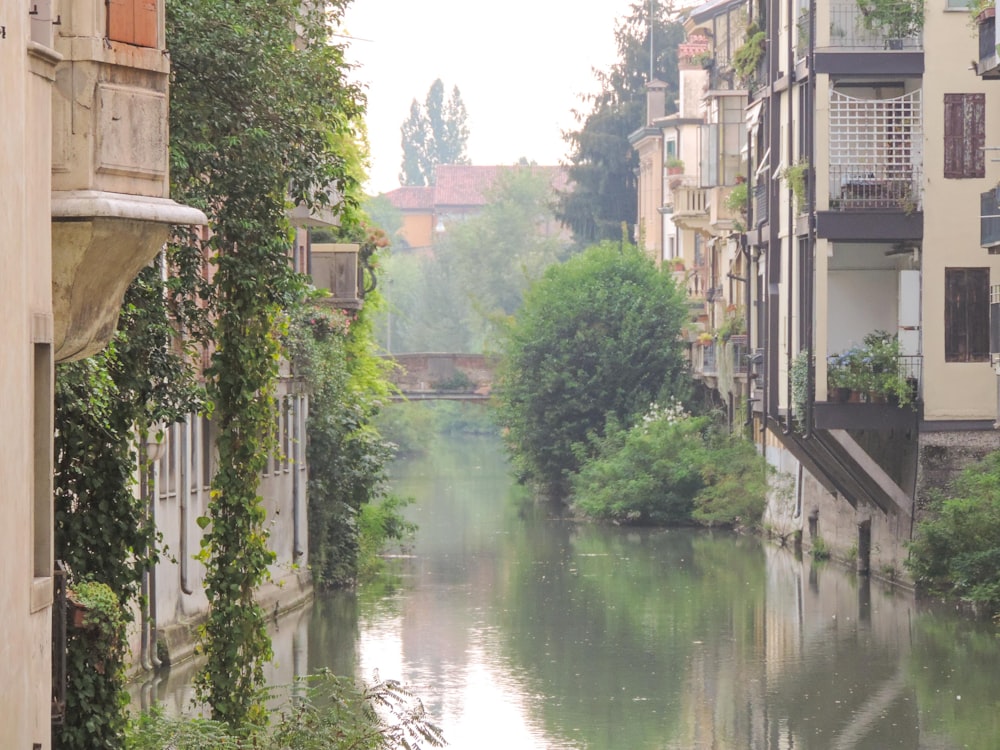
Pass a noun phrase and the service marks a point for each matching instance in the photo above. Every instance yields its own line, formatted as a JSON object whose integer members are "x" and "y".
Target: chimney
{"x": 656, "y": 100}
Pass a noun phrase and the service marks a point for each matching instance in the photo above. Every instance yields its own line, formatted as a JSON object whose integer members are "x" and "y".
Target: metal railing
{"x": 874, "y": 186}
{"x": 848, "y": 29}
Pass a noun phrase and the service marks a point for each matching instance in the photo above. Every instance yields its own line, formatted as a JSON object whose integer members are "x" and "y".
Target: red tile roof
{"x": 413, "y": 198}
{"x": 462, "y": 185}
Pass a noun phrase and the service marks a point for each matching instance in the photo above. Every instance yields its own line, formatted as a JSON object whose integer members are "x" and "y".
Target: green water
{"x": 523, "y": 631}
{"x": 520, "y": 630}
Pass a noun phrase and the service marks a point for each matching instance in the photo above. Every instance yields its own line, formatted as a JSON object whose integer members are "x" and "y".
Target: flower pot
{"x": 841, "y": 395}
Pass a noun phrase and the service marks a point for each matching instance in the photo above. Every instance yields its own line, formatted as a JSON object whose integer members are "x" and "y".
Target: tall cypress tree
{"x": 434, "y": 134}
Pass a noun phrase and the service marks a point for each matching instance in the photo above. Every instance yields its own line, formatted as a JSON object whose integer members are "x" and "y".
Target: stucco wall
{"x": 25, "y": 324}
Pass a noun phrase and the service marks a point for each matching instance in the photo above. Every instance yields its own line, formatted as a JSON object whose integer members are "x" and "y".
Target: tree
{"x": 596, "y": 340}
{"x": 602, "y": 161}
{"x": 432, "y": 135}
{"x": 497, "y": 254}
{"x": 262, "y": 116}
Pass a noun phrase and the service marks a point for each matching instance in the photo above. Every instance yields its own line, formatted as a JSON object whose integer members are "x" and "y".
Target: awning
{"x": 752, "y": 116}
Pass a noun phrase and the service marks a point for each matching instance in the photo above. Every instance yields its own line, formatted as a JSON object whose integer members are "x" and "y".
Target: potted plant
{"x": 870, "y": 371}
{"x": 845, "y": 377}
{"x": 894, "y": 20}
{"x": 675, "y": 165}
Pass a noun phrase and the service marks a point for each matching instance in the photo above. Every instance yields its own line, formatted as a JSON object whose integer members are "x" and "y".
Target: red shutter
{"x": 133, "y": 22}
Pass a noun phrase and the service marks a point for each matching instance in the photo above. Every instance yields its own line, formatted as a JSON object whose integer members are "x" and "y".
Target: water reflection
{"x": 519, "y": 630}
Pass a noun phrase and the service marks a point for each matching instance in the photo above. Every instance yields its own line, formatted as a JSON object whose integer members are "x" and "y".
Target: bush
{"x": 957, "y": 551}
{"x": 672, "y": 469}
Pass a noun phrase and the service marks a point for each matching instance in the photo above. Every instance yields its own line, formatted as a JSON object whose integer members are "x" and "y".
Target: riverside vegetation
{"x": 597, "y": 405}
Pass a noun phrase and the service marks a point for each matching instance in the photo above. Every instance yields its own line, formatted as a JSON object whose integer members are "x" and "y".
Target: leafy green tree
{"x": 602, "y": 162}
{"x": 596, "y": 340}
{"x": 434, "y": 134}
{"x": 956, "y": 551}
{"x": 497, "y": 254}
{"x": 261, "y": 116}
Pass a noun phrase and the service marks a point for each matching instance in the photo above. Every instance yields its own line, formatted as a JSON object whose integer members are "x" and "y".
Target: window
{"x": 964, "y": 135}
{"x": 133, "y": 22}
{"x": 42, "y": 428}
{"x": 967, "y": 315}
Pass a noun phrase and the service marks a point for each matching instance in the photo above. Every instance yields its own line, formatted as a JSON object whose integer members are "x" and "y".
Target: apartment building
{"x": 692, "y": 174}
{"x": 865, "y": 283}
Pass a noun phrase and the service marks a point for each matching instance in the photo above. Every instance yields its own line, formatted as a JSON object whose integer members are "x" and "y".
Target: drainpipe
{"x": 810, "y": 256}
{"x": 184, "y": 500}
{"x": 791, "y": 238}
{"x": 772, "y": 319}
{"x": 144, "y": 615}
{"x": 296, "y": 463}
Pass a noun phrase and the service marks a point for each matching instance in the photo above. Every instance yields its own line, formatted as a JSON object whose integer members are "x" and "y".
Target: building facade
{"x": 83, "y": 206}
{"x": 864, "y": 282}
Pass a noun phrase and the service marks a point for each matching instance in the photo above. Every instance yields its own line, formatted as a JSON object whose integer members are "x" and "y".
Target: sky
{"x": 520, "y": 66}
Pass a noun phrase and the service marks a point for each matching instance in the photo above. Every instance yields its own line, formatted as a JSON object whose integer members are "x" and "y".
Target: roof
{"x": 412, "y": 198}
{"x": 463, "y": 185}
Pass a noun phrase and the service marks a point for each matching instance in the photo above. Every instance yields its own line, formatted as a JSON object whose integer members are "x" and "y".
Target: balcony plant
{"x": 747, "y": 58}
{"x": 893, "y": 20}
{"x": 870, "y": 372}
{"x": 795, "y": 176}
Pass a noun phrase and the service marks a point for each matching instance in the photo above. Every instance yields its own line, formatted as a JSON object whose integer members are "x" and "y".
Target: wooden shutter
{"x": 975, "y": 135}
{"x": 964, "y": 135}
{"x": 967, "y": 315}
{"x": 133, "y": 22}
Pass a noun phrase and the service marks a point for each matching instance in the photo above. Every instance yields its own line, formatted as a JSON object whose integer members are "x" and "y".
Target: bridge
{"x": 429, "y": 376}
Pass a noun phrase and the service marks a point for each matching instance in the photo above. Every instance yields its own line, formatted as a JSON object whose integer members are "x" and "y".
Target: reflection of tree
{"x": 333, "y": 633}
{"x": 619, "y": 625}
{"x": 953, "y": 670}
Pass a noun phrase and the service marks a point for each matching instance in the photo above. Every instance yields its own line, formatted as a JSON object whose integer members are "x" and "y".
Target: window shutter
{"x": 977, "y": 323}
{"x": 964, "y": 135}
{"x": 133, "y": 22}
{"x": 975, "y": 135}
{"x": 953, "y": 128}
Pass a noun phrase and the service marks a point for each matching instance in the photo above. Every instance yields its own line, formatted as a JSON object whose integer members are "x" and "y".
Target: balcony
{"x": 852, "y": 28}
{"x": 989, "y": 64}
{"x": 879, "y": 187}
{"x": 703, "y": 359}
{"x": 691, "y": 206}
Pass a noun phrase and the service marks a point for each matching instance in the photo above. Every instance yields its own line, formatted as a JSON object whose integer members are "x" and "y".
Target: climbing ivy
{"x": 261, "y": 110}
{"x": 102, "y": 530}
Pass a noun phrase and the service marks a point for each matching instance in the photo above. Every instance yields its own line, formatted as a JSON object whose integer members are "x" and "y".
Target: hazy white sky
{"x": 520, "y": 66}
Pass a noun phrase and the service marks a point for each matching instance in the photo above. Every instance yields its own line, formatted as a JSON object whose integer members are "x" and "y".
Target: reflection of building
{"x": 864, "y": 166}
{"x": 459, "y": 193}
{"x": 83, "y": 207}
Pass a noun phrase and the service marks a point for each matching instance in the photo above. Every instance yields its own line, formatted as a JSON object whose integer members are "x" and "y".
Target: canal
{"x": 522, "y": 630}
